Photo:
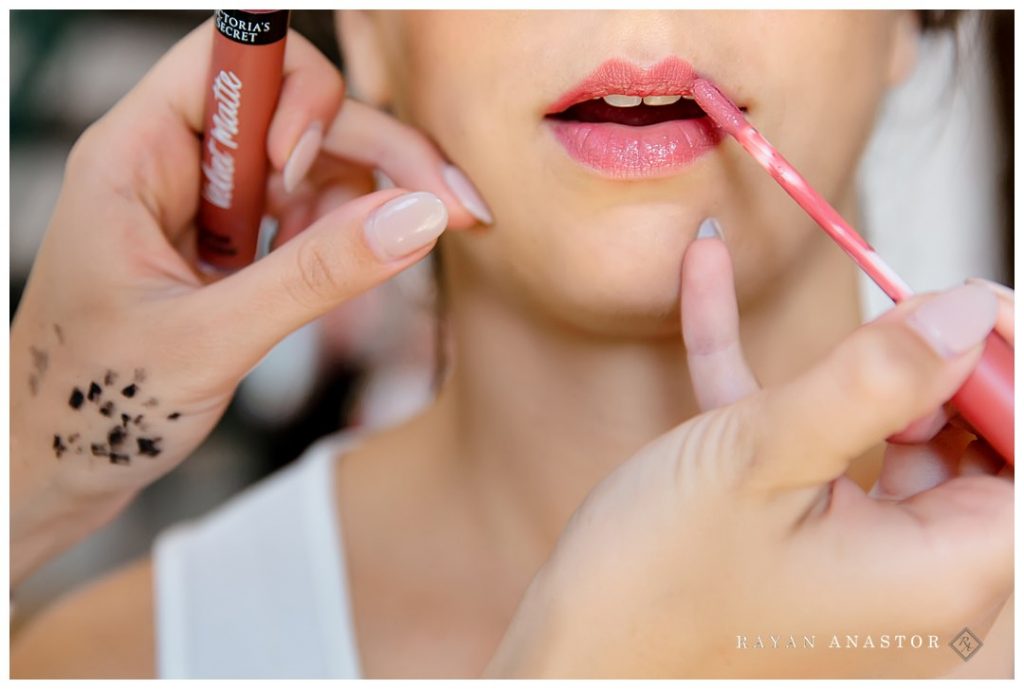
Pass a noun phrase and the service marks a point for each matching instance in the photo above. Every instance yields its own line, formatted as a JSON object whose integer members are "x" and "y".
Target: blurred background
{"x": 936, "y": 185}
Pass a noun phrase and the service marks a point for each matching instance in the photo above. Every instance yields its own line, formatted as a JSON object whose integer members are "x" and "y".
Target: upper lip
{"x": 671, "y": 76}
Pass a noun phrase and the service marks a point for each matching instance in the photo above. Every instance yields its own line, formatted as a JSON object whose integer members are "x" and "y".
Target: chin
{"x": 634, "y": 298}
{"x": 629, "y": 322}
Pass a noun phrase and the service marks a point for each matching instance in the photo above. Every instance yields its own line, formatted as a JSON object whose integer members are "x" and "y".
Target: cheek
{"x": 823, "y": 77}
{"x": 460, "y": 91}
{"x": 826, "y": 77}
{"x": 610, "y": 262}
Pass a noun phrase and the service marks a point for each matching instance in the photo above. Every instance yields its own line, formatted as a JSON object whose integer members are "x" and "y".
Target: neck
{"x": 533, "y": 417}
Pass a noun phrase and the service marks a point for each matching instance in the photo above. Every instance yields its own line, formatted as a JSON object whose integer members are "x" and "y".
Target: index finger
{"x": 365, "y": 135}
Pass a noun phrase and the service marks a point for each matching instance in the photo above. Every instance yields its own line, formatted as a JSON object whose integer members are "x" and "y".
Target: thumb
{"x": 885, "y": 375}
{"x": 351, "y": 249}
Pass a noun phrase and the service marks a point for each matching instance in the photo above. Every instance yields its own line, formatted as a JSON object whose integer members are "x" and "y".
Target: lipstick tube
{"x": 243, "y": 86}
{"x": 985, "y": 400}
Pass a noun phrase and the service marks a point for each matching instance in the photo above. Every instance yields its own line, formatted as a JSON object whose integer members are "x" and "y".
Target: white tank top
{"x": 257, "y": 587}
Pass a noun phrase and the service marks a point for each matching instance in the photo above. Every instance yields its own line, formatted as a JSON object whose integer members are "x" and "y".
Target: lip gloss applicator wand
{"x": 985, "y": 400}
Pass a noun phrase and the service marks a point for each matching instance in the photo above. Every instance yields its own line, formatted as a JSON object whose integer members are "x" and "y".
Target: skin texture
{"x": 803, "y": 79}
{"x": 565, "y": 331}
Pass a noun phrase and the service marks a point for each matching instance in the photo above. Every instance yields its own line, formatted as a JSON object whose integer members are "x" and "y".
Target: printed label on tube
{"x": 242, "y": 90}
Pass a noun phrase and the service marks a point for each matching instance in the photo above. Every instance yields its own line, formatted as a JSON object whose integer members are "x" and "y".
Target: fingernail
{"x": 381, "y": 180}
{"x": 467, "y": 194}
{"x": 1000, "y": 290}
{"x": 302, "y": 156}
{"x": 956, "y": 320}
{"x": 405, "y": 224}
{"x": 709, "y": 228}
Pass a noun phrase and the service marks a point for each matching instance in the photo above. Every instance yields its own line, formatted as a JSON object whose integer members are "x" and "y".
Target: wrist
{"x": 53, "y": 526}
{"x": 47, "y": 516}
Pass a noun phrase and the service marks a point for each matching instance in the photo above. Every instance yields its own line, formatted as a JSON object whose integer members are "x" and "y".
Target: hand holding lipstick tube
{"x": 242, "y": 90}
{"x": 124, "y": 323}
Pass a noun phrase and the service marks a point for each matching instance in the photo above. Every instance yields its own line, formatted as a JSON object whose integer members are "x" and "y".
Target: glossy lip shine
{"x": 625, "y": 152}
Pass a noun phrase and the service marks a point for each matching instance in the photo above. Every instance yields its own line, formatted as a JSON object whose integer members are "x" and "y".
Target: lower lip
{"x": 624, "y": 152}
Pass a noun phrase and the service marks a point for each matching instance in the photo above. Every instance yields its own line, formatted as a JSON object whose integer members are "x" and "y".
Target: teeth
{"x": 661, "y": 100}
{"x": 619, "y": 101}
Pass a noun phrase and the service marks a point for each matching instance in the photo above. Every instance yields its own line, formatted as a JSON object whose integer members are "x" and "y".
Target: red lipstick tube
{"x": 242, "y": 89}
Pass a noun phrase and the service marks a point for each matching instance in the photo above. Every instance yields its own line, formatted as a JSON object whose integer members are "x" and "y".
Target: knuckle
{"x": 123, "y": 160}
{"x": 882, "y": 368}
{"x": 760, "y": 468}
{"x": 712, "y": 451}
{"x": 315, "y": 278}
{"x": 328, "y": 77}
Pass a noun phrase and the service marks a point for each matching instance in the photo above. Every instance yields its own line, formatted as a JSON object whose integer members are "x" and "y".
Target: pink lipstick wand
{"x": 985, "y": 400}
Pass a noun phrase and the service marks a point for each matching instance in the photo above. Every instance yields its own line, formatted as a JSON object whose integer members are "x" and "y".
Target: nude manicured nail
{"x": 302, "y": 156}
{"x": 405, "y": 224}
{"x": 1001, "y": 291}
{"x": 467, "y": 194}
{"x": 709, "y": 228}
{"x": 381, "y": 180}
{"x": 957, "y": 320}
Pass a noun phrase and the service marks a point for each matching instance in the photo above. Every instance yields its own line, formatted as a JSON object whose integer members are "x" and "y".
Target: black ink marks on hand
{"x": 123, "y": 440}
{"x": 59, "y": 332}
{"x": 148, "y": 446}
{"x": 59, "y": 448}
{"x": 116, "y": 436}
{"x": 75, "y": 402}
{"x": 40, "y": 362}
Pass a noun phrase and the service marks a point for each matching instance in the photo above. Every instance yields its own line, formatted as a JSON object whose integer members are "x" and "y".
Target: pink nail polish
{"x": 1001, "y": 291}
{"x": 957, "y": 320}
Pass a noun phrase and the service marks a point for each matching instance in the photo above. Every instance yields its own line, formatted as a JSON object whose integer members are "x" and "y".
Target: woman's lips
{"x": 625, "y": 152}
{"x": 628, "y": 152}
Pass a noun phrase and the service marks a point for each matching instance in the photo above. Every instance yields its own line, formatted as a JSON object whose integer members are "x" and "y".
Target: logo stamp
{"x": 966, "y": 644}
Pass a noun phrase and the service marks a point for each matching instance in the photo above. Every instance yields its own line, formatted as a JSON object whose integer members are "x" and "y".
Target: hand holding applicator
{"x": 985, "y": 400}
